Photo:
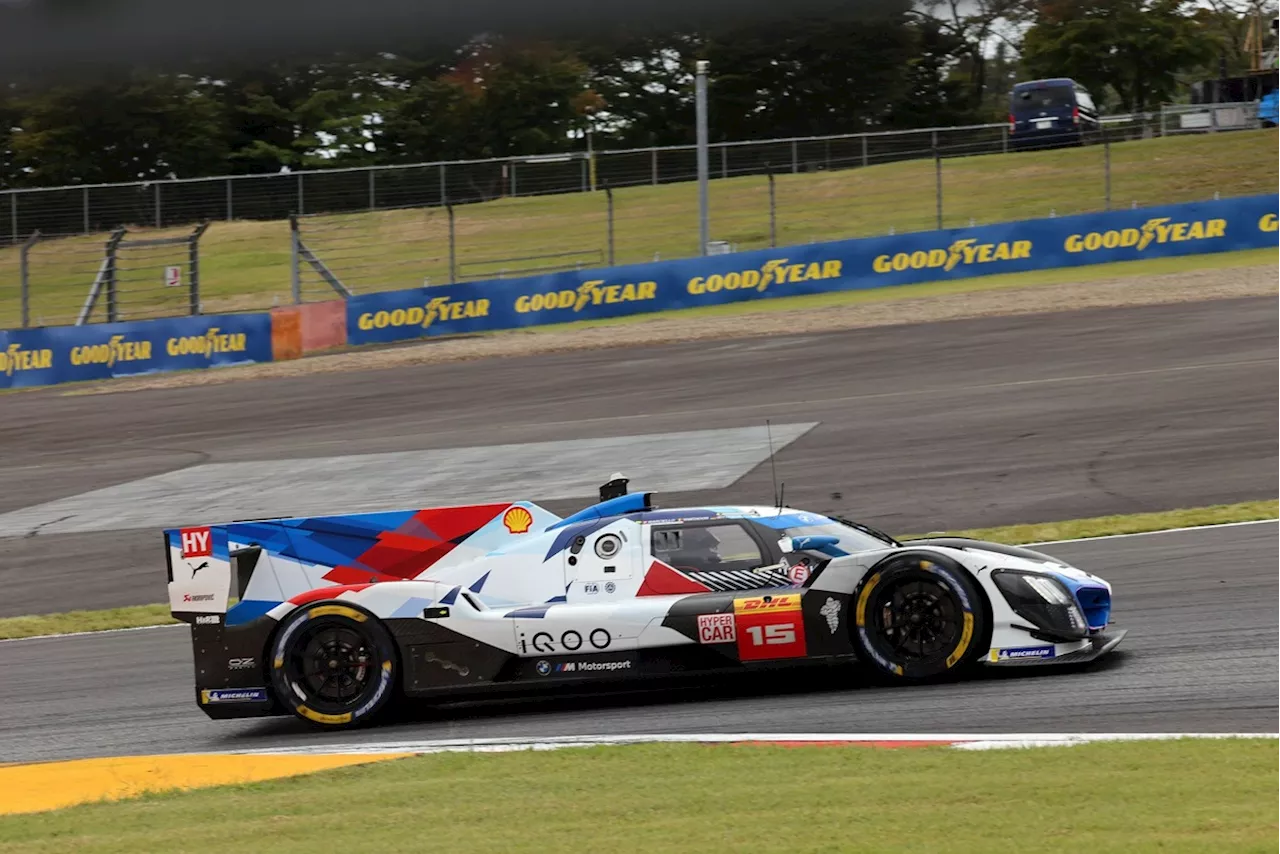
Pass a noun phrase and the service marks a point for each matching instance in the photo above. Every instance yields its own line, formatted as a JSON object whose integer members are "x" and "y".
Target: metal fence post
{"x": 1004, "y": 139}
{"x": 13, "y": 214}
{"x": 773, "y": 213}
{"x": 453, "y": 248}
{"x": 724, "y": 161}
{"x": 513, "y": 179}
{"x": 864, "y": 149}
{"x": 584, "y": 170}
{"x": 795, "y": 158}
{"x": 301, "y": 207}
{"x": 229, "y": 216}
{"x": 193, "y": 264}
{"x": 86, "y": 211}
{"x": 113, "y": 305}
{"x": 295, "y": 272}
{"x": 159, "y": 221}
{"x": 608, "y": 197}
{"x": 444, "y": 193}
{"x": 937, "y": 168}
{"x": 1106, "y": 164}
{"x": 24, "y": 276}
{"x": 373, "y": 199}
{"x": 653, "y": 166}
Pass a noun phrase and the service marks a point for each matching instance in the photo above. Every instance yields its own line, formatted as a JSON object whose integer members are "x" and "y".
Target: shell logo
{"x": 517, "y": 520}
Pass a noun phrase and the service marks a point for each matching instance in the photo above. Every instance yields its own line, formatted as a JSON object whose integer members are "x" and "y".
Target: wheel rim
{"x": 334, "y": 666}
{"x": 918, "y": 618}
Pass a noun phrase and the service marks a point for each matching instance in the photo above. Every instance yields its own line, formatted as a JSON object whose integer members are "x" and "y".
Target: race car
{"x": 332, "y": 618}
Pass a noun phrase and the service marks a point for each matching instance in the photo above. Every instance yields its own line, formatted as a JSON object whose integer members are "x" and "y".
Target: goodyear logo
{"x": 1156, "y": 230}
{"x": 1267, "y": 223}
{"x": 767, "y": 604}
{"x": 208, "y": 345}
{"x": 17, "y": 359}
{"x": 966, "y": 251}
{"x": 114, "y": 351}
{"x": 437, "y": 309}
{"x": 775, "y": 271}
{"x": 594, "y": 292}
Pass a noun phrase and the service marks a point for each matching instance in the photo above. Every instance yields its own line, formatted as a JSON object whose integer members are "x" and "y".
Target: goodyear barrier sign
{"x": 1186, "y": 229}
{"x": 60, "y": 354}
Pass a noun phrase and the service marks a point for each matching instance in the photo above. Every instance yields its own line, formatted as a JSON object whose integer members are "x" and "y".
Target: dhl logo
{"x": 213, "y": 341}
{"x": 438, "y": 309}
{"x": 115, "y": 350}
{"x": 17, "y": 359}
{"x": 767, "y": 604}
{"x": 1156, "y": 230}
{"x": 594, "y": 292}
{"x": 776, "y": 270}
{"x": 964, "y": 251}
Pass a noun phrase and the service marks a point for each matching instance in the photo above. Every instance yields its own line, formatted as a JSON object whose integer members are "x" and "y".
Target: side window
{"x": 1085, "y": 101}
{"x": 706, "y": 547}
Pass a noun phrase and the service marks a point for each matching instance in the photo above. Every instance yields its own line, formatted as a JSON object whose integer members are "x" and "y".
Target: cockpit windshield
{"x": 852, "y": 539}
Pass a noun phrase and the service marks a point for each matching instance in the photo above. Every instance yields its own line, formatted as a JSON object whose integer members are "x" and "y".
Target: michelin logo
{"x": 233, "y": 695}
{"x": 1022, "y": 653}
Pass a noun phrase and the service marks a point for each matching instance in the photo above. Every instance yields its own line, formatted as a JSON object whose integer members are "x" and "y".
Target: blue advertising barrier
{"x": 875, "y": 262}
{"x": 60, "y": 354}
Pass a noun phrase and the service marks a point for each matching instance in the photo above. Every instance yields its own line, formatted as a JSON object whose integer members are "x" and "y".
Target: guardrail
{"x": 66, "y": 354}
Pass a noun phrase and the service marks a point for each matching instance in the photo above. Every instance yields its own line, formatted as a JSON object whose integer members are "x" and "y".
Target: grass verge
{"x": 138, "y": 616}
{"x": 1184, "y": 795}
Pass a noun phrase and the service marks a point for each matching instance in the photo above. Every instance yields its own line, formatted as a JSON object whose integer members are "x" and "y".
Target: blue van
{"x": 1050, "y": 113}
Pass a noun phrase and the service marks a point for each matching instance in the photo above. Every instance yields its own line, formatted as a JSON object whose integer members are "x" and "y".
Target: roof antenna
{"x": 773, "y": 467}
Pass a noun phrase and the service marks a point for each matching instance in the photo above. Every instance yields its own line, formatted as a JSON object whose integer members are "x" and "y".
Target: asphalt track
{"x": 966, "y": 423}
{"x": 1201, "y": 656}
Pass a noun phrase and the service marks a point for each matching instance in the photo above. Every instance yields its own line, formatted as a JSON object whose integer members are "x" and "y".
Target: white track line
{"x": 1043, "y": 543}
{"x": 965, "y": 741}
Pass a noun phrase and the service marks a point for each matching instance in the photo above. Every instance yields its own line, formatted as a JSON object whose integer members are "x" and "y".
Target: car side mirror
{"x": 785, "y": 545}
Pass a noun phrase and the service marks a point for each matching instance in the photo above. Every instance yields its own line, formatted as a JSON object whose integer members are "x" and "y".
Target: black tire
{"x": 334, "y": 665}
{"x": 919, "y": 616}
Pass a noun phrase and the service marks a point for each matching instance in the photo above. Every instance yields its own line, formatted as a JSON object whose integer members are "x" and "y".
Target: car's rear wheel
{"x": 333, "y": 665}
{"x": 918, "y": 617}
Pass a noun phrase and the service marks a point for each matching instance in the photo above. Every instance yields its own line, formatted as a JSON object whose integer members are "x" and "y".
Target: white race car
{"x": 337, "y": 616}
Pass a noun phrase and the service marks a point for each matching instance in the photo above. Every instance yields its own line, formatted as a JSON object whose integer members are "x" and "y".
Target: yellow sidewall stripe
{"x": 51, "y": 785}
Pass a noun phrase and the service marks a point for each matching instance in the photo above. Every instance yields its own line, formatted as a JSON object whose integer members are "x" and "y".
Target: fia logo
{"x": 591, "y": 588}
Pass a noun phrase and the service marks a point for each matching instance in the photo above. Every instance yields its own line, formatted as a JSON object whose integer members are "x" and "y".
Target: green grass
{"x": 1185, "y": 795}
{"x": 156, "y": 615}
{"x": 245, "y": 265}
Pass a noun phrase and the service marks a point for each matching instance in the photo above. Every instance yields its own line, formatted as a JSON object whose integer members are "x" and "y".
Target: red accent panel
{"x": 663, "y": 580}
{"x": 325, "y": 593}
{"x": 451, "y": 523}
{"x": 401, "y": 556}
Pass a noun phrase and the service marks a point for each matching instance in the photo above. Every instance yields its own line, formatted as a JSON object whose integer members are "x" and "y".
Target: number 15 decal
{"x": 782, "y": 633}
{"x": 769, "y": 627}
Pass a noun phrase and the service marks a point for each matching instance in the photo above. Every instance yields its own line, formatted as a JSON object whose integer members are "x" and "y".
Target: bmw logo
{"x": 609, "y": 587}
{"x": 543, "y": 667}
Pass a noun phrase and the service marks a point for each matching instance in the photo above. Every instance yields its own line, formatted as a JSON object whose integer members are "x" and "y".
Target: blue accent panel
{"x": 557, "y": 600}
{"x": 1247, "y": 222}
{"x": 450, "y": 597}
{"x": 475, "y": 588}
{"x": 793, "y": 520}
{"x": 1094, "y": 601}
{"x": 564, "y": 536}
{"x": 534, "y": 612}
{"x": 43, "y": 356}
{"x": 411, "y": 608}
{"x": 632, "y": 502}
{"x": 247, "y": 611}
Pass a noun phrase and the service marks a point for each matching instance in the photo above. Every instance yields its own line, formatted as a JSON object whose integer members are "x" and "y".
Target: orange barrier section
{"x": 286, "y": 333}
{"x": 324, "y": 325}
{"x": 51, "y": 785}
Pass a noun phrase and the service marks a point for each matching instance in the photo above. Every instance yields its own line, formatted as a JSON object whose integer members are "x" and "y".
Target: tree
{"x": 143, "y": 127}
{"x": 1137, "y": 47}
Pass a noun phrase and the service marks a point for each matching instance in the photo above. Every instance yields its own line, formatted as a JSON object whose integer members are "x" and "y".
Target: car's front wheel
{"x": 333, "y": 665}
{"x": 918, "y": 616}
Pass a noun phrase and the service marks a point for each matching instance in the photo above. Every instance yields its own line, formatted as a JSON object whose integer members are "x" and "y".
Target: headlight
{"x": 1042, "y": 601}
